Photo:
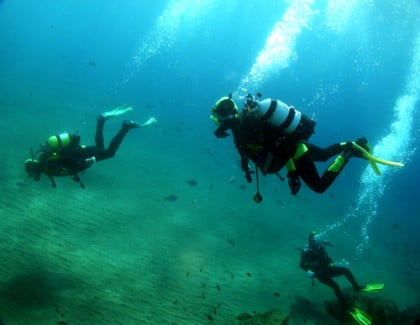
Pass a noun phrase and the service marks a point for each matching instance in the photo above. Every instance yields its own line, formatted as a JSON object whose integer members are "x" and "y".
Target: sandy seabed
{"x": 143, "y": 244}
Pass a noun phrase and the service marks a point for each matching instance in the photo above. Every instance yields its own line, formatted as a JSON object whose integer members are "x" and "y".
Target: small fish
{"x": 218, "y": 287}
{"x": 203, "y": 295}
{"x": 171, "y": 198}
{"x": 231, "y": 242}
{"x": 201, "y": 269}
{"x": 203, "y": 285}
{"x": 187, "y": 274}
{"x": 61, "y": 322}
{"x": 218, "y": 305}
{"x": 191, "y": 182}
{"x": 210, "y": 317}
{"x": 175, "y": 301}
{"x": 248, "y": 274}
{"x": 276, "y": 294}
{"x": 214, "y": 310}
{"x": 232, "y": 276}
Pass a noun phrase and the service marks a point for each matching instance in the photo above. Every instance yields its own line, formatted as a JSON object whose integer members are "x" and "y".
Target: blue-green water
{"x": 120, "y": 252}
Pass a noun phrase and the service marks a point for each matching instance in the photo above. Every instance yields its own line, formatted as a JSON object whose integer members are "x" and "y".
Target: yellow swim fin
{"x": 373, "y": 287}
{"x": 360, "y": 316}
{"x": 375, "y": 160}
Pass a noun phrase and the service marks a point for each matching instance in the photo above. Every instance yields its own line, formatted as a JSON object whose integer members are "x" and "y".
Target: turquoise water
{"x": 121, "y": 251}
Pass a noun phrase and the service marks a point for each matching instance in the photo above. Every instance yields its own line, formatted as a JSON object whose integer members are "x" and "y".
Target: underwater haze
{"x": 167, "y": 232}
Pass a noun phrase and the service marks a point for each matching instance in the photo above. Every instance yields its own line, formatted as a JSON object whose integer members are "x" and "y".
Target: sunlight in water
{"x": 339, "y": 12}
{"x": 395, "y": 146}
{"x": 186, "y": 14}
{"x": 279, "y": 47}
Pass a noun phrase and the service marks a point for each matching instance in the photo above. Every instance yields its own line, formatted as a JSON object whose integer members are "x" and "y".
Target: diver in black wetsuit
{"x": 64, "y": 156}
{"x": 273, "y": 135}
{"x": 317, "y": 264}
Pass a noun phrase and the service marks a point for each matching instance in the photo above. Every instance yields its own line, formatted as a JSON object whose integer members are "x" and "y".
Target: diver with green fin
{"x": 315, "y": 261}
{"x": 62, "y": 154}
{"x": 273, "y": 135}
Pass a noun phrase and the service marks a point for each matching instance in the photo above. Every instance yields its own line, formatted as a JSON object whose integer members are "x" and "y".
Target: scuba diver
{"x": 62, "y": 155}
{"x": 317, "y": 264}
{"x": 273, "y": 134}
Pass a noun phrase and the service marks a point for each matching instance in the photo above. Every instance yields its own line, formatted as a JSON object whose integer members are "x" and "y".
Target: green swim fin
{"x": 375, "y": 160}
{"x": 373, "y": 287}
{"x": 360, "y": 316}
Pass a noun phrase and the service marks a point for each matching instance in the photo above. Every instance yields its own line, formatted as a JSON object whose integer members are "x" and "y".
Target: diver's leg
{"x": 339, "y": 270}
{"x": 323, "y": 154}
{"x": 99, "y": 136}
{"x": 117, "y": 139}
{"x": 326, "y": 278}
{"x": 308, "y": 172}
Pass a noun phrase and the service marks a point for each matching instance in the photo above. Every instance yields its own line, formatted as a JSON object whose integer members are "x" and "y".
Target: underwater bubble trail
{"x": 339, "y": 12}
{"x": 164, "y": 34}
{"x": 279, "y": 47}
{"x": 396, "y": 146}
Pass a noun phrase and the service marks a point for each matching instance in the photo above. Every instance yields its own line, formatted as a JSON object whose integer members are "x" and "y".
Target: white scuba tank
{"x": 283, "y": 115}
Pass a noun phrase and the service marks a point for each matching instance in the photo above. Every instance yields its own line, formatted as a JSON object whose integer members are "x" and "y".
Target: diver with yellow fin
{"x": 317, "y": 264}
{"x": 367, "y": 154}
{"x": 274, "y": 135}
{"x": 63, "y": 155}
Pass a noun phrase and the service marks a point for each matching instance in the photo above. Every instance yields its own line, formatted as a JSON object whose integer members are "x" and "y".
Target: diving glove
{"x": 90, "y": 161}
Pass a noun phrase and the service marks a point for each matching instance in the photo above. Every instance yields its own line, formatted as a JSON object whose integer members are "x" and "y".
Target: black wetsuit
{"x": 316, "y": 259}
{"x": 270, "y": 149}
{"x": 306, "y": 168}
{"x": 70, "y": 161}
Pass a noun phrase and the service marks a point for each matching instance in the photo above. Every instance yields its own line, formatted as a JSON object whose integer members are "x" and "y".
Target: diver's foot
{"x": 100, "y": 119}
{"x": 358, "y": 288}
{"x": 128, "y": 125}
{"x": 363, "y": 142}
{"x": 351, "y": 150}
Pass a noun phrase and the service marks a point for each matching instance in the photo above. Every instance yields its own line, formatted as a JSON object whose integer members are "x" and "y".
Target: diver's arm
{"x": 221, "y": 133}
{"x": 73, "y": 163}
{"x": 303, "y": 261}
{"x": 245, "y": 168}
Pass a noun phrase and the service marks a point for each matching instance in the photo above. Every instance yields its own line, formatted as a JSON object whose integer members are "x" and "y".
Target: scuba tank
{"x": 62, "y": 141}
{"x": 282, "y": 116}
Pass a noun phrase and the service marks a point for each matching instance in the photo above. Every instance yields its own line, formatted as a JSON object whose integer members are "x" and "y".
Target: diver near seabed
{"x": 273, "y": 134}
{"x": 315, "y": 261}
{"x": 62, "y": 155}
